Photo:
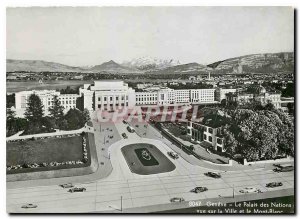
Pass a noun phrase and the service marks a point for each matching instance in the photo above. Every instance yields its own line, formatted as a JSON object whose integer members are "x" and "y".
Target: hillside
{"x": 190, "y": 68}
{"x": 38, "y": 66}
{"x": 112, "y": 66}
{"x": 257, "y": 63}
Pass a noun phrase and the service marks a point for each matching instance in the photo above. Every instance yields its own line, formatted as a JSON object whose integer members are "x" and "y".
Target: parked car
{"x": 213, "y": 175}
{"x": 177, "y": 199}
{"x": 173, "y": 155}
{"x": 199, "y": 189}
{"x": 124, "y": 135}
{"x": 274, "y": 184}
{"x": 125, "y": 122}
{"x": 66, "y": 185}
{"x": 250, "y": 190}
{"x": 76, "y": 189}
{"x": 29, "y": 206}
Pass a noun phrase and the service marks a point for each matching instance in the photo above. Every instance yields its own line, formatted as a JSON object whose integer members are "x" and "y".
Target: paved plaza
{"x": 104, "y": 194}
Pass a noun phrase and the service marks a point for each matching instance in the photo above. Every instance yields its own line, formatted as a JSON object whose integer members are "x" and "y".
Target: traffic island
{"x": 146, "y": 159}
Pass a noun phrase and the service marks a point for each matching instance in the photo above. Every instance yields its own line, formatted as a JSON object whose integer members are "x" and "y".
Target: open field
{"x": 45, "y": 151}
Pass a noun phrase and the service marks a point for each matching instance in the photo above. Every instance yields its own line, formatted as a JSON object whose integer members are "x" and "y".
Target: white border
{"x": 28, "y": 3}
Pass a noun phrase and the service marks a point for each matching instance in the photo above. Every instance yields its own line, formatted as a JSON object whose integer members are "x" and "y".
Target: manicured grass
{"x": 151, "y": 162}
{"x": 158, "y": 163}
{"x": 44, "y": 150}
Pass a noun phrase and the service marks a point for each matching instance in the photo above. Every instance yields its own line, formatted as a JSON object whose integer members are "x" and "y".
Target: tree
{"x": 56, "y": 111}
{"x": 86, "y": 115}
{"x": 74, "y": 119}
{"x": 10, "y": 100}
{"x": 10, "y": 114}
{"x": 34, "y": 111}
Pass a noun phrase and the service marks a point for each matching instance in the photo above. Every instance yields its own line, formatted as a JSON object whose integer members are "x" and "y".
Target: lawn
{"x": 44, "y": 150}
{"x": 158, "y": 162}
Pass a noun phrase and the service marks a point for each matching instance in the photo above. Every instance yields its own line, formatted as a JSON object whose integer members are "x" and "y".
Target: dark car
{"x": 213, "y": 175}
{"x": 130, "y": 129}
{"x": 199, "y": 189}
{"x": 29, "y": 206}
{"x": 177, "y": 199}
{"x": 66, "y": 185}
{"x": 77, "y": 190}
{"x": 124, "y": 135}
{"x": 173, "y": 155}
{"x": 284, "y": 169}
{"x": 274, "y": 184}
{"x": 124, "y": 121}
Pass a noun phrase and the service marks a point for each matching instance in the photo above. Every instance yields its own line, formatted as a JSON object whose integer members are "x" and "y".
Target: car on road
{"x": 177, "y": 199}
{"x": 29, "y": 206}
{"x": 274, "y": 184}
{"x": 66, "y": 185}
{"x": 213, "y": 175}
{"x": 199, "y": 189}
{"x": 130, "y": 129}
{"x": 125, "y": 122}
{"x": 173, "y": 155}
{"x": 250, "y": 190}
{"x": 124, "y": 135}
{"x": 284, "y": 169}
{"x": 76, "y": 189}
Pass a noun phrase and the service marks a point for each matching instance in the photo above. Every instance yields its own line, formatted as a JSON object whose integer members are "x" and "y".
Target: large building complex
{"x": 112, "y": 95}
{"x": 107, "y": 95}
{"x": 68, "y": 101}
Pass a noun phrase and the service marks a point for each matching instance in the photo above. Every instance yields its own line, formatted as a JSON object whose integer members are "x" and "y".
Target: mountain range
{"x": 258, "y": 63}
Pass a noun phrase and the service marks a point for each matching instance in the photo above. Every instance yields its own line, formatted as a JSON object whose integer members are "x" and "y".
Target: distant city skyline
{"x": 81, "y": 36}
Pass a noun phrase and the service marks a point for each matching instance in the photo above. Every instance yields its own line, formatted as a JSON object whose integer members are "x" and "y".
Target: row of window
{"x": 111, "y": 98}
{"x": 105, "y": 106}
{"x": 64, "y": 102}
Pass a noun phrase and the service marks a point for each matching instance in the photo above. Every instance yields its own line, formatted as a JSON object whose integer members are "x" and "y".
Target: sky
{"x": 81, "y": 36}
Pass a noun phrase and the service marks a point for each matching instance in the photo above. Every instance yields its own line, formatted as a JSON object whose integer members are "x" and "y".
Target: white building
{"x": 107, "y": 95}
{"x": 68, "y": 101}
{"x": 146, "y": 98}
{"x": 202, "y": 133}
{"x": 202, "y": 96}
{"x": 221, "y": 93}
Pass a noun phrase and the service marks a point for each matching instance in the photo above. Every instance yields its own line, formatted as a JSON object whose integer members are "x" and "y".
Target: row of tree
{"x": 36, "y": 122}
{"x": 258, "y": 134}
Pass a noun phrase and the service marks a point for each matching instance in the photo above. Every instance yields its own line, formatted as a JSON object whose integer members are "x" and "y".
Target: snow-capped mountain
{"x": 148, "y": 63}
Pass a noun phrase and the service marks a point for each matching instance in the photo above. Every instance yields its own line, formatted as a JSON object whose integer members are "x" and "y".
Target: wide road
{"x": 143, "y": 191}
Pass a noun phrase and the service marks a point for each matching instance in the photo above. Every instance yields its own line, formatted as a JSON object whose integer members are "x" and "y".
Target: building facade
{"x": 221, "y": 93}
{"x": 107, "y": 95}
{"x": 68, "y": 101}
{"x": 211, "y": 136}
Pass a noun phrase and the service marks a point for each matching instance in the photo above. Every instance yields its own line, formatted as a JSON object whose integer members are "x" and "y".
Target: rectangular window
{"x": 99, "y": 98}
{"x": 204, "y": 137}
{"x": 210, "y": 139}
{"x": 110, "y": 98}
{"x": 117, "y": 98}
{"x": 210, "y": 130}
